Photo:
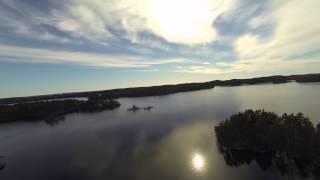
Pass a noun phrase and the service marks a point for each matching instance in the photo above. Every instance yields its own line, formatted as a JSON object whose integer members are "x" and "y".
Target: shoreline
{"x": 165, "y": 89}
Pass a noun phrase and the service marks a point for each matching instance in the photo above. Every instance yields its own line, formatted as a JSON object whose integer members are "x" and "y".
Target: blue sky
{"x": 49, "y": 46}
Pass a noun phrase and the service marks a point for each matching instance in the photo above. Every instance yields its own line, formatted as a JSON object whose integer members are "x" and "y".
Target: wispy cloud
{"x": 295, "y": 33}
{"x": 26, "y": 30}
{"x": 177, "y": 21}
{"x": 200, "y": 37}
{"x": 33, "y": 55}
{"x": 274, "y": 66}
{"x": 293, "y": 46}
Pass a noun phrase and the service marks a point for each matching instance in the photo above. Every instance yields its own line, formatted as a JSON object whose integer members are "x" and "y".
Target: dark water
{"x": 175, "y": 140}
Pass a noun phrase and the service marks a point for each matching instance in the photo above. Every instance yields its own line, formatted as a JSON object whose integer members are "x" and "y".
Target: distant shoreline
{"x": 166, "y": 89}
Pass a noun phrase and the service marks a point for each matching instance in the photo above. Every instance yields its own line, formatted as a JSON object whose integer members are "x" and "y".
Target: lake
{"x": 175, "y": 140}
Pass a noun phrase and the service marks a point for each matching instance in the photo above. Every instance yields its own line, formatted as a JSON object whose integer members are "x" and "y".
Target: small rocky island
{"x": 53, "y": 110}
{"x": 271, "y": 140}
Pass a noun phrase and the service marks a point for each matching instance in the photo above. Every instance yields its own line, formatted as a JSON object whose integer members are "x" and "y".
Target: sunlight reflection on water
{"x": 198, "y": 162}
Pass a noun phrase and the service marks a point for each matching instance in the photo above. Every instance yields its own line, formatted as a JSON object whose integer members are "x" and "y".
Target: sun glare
{"x": 198, "y": 162}
{"x": 183, "y": 20}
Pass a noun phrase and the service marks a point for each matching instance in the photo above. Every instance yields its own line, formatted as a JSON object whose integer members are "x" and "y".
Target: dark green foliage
{"x": 289, "y": 136}
{"x": 153, "y": 90}
{"x": 51, "y": 110}
{"x": 267, "y": 132}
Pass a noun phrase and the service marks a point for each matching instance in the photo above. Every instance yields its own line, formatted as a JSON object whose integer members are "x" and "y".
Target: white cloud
{"x": 217, "y": 68}
{"x": 33, "y": 55}
{"x": 296, "y": 33}
{"x": 81, "y": 21}
{"x": 178, "y": 21}
{"x": 24, "y": 20}
{"x": 258, "y": 68}
{"x": 147, "y": 70}
{"x": 186, "y": 22}
{"x": 25, "y": 30}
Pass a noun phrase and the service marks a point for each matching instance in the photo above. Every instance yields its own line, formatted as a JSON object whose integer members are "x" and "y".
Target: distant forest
{"x": 167, "y": 89}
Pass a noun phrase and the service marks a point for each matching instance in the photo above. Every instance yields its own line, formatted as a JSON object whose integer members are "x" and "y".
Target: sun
{"x": 185, "y": 21}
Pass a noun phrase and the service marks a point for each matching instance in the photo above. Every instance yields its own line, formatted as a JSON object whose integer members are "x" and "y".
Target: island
{"x": 50, "y": 111}
{"x": 271, "y": 140}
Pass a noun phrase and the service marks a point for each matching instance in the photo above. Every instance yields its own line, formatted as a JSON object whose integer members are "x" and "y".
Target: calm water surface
{"x": 175, "y": 140}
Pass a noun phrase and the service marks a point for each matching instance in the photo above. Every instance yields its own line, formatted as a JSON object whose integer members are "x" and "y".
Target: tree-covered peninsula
{"x": 51, "y": 110}
{"x": 287, "y": 138}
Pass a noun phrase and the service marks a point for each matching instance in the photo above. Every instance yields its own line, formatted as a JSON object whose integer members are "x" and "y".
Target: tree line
{"x": 289, "y": 136}
{"x": 52, "y": 110}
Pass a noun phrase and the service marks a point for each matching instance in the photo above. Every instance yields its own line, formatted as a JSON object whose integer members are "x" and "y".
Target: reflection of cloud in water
{"x": 188, "y": 152}
{"x": 141, "y": 155}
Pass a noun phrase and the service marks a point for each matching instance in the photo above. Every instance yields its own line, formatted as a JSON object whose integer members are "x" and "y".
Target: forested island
{"x": 288, "y": 142}
{"x": 167, "y": 89}
{"x": 51, "y": 111}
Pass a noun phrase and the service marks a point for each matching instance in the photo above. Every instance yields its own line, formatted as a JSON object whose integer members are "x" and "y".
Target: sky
{"x": 49, "y": 46}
